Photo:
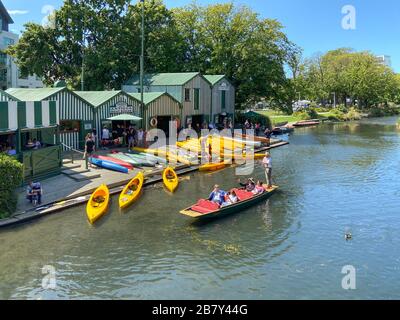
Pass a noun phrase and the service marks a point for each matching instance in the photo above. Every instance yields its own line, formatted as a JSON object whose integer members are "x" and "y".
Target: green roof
{"x": 214, "y": 78}
{"x": 149, "y": 97}
{"x": 163, "y": 79}
{"x": 97, "y": 98}
{"x": 32, "y": 94}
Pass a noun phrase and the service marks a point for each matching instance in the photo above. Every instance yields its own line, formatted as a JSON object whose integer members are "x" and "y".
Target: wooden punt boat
{"x": 256, "y": 138}
{"x": 129, "y": 196}
{"x": 97, "y": 205}
{"x": 306, "y": 123}
{"x": 204, "y": 209}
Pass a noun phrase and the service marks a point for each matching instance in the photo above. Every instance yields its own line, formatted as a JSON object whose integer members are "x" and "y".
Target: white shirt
{"x": 106, "y": 134}
{"x": 140, "y": 135}
{"x": 267, "y": 162}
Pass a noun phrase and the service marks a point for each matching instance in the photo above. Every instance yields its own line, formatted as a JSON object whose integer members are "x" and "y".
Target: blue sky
{"x": 315, "y": 25}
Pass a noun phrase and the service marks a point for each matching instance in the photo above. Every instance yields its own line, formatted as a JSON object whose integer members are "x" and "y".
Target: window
{"x": 8, "y": 41}
{"x": 70, "y": 125}
{"x": 223, "y": 99}
{"x": 196, "y": 99}
{"x": 3, "y": 58}
{"x": 138, "y": 90}
{"x": 187, "y": 95}
{"x": 3, "y": 75}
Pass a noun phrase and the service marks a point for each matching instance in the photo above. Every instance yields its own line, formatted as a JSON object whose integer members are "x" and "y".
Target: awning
{"x": 125, "y": 117}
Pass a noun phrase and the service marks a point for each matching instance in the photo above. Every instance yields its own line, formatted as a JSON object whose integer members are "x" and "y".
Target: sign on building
{"x": 121, "y": 107}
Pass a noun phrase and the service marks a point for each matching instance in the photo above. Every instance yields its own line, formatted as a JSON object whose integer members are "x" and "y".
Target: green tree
{"x": 102, "y": 35}
{"x": 233, "y": 40}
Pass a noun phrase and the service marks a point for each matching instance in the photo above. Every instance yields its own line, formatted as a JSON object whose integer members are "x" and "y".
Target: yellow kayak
{"x": 255, "y": 156}
{"x": 170, "y": 179}
{"x": 131, "y": 191}
{"x": 98, "y": 203}
{"x": 212, "y": 166}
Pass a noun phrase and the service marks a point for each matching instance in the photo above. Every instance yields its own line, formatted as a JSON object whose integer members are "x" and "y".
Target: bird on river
{"x": 348, "y": 236}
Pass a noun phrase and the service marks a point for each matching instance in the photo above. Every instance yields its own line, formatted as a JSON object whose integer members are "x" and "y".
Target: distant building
{"x": 209, "y": 98}
{"x": 9, "y": 73}
{"x": 385, "y": 59}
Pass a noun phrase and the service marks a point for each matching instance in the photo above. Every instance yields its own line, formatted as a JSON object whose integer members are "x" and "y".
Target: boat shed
{"x": 223, "y": 99}
{"x": 160, "y": 109}
{"x": 29, "y": 132}
{"x": 106, "y": 104}
{"x": 76, "y": 115}
{"x": 191, "y": 89}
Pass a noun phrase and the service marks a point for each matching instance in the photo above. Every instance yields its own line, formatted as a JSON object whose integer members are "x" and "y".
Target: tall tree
{"x": 102, "y": 35}
{"x": 233, "y": 40}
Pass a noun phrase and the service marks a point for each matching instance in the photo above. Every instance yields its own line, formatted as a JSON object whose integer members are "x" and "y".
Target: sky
{"x": 315, "y": 25}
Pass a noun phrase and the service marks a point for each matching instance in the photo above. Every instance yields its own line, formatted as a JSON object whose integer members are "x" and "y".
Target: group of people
{"x": 128, "y": 135}
{"x": 223, "y": 198}
{"x": 33, "y": 144}
{"x": 7, "y": 149}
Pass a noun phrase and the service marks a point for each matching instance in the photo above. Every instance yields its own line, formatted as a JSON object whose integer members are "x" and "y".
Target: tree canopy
{"x": 347, "y": 74}
{"x": 103, "y": 38}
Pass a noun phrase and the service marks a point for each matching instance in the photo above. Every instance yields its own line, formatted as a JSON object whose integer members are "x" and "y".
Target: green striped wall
{"x": 71, "y": 108}
{"x": 4, "y": 116}
{"x": 22, "y": 115}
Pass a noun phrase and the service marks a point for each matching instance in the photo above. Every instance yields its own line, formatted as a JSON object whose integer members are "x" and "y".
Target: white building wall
{"x": 223, "y": 85}
{"x": 8, "y": 38}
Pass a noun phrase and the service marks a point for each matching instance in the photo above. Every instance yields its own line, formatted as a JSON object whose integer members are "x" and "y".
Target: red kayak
{"x": 116, "y": 161}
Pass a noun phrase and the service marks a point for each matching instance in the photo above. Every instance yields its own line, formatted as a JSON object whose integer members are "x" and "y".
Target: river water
{"x": 334, "y": 179}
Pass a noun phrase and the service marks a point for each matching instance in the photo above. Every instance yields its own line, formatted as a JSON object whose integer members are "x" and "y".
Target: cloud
{"x": 16, "y": 12}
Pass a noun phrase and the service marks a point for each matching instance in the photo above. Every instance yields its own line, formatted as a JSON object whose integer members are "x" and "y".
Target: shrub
{"x": 383, "y": 110}
{"x": 306, "y": 114}
{"x": 352, "y": 114}
{"x": 254, "y": 117}
{"x": 11, "y": 176}
{"x": 312, "y": 113}
{"x": 336, "y": 115}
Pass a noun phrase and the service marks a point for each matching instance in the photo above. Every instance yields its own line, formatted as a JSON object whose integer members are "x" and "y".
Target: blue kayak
{"x": 108, "y": 165}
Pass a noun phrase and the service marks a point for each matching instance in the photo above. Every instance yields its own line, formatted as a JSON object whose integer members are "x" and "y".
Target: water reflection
{"x": 333, "y": 178}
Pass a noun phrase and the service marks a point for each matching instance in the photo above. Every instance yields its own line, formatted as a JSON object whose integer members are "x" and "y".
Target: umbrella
{"x": 125, "y": 117}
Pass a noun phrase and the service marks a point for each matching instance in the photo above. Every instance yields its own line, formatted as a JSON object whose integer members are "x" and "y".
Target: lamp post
{"x": 334, "y": 99}
{"x": 142, "y": 72}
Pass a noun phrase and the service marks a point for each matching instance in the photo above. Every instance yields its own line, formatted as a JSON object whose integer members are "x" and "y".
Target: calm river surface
{"x": 334, "y": 179}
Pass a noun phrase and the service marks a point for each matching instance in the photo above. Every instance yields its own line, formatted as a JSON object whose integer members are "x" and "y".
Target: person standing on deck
{"x": 267, "y": 163}
{"x": 89, "y": 148}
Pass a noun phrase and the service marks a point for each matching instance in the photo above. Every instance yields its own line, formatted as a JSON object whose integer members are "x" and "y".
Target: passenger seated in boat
{"x": 230, "y": 198}
{"x": 249, "y": 185}
{"x": 259, "y": 188}
{"x": 217, "y": 195}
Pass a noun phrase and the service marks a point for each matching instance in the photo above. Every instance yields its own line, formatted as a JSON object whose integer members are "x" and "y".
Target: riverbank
{"x": 334, "y": 178}
{"x": 75, "y": 185}
{"x": 333, "y": 115}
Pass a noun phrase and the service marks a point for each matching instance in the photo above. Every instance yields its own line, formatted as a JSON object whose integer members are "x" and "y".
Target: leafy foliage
{"x": 104, "y": 36}
{"x": 11, "y": 174}
{"x": 357, "y": 76}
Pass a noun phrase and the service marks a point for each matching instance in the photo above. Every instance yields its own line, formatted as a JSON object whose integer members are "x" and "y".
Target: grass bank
{"x": 277, "y": 117}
